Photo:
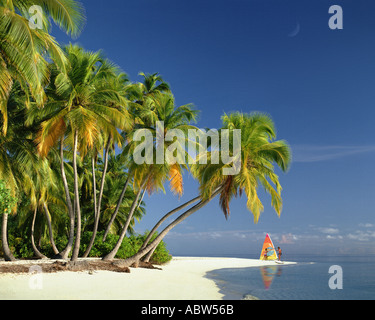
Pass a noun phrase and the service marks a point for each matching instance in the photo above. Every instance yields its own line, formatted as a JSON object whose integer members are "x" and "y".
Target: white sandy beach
{"x": 181, "y": 279}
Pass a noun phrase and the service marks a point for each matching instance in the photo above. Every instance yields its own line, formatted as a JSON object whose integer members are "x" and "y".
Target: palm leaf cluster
{"x": 259, "y": 153}
{"x": 24, "y": 51}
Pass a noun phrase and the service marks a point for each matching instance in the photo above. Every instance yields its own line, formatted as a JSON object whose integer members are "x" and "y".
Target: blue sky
{"x": 317, "y": 85}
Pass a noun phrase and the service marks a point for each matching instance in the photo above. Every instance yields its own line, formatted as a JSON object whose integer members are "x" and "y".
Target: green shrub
{"x": 129, "y": 246}
{"x": 22, "y": 249}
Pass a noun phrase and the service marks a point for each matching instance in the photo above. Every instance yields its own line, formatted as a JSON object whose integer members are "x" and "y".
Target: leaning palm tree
{"x": 259, "y": 152}
{"x": 81, "y": 108}
{"x": 23, "y": 47}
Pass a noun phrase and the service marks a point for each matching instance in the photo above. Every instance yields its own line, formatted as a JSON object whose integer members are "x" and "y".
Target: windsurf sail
{"x": 271, "y": 251}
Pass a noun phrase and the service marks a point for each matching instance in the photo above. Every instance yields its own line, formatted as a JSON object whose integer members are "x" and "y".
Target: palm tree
{"x": 153, "y": 83}
{"x": 119, "y": 86}
{"x": 81, "y": 107}
{"x": 140, "y": 97}
{"x": 22, "y": 61}
{"x": 22, "y": 48}
{"x": 17, "y": 157}
{"x": 259, "y": 152}
{"x": 40, "y": 191}
{"x": 157, "y": 107}
{"x": 7, "y": 202}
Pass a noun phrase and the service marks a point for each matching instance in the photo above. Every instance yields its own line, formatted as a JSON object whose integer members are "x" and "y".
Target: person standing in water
{"x": 279, "y": 252}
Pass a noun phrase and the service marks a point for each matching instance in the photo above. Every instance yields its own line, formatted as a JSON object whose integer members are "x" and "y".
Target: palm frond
{"x": 175, "y": 180}
{"x": 69, "y": 15}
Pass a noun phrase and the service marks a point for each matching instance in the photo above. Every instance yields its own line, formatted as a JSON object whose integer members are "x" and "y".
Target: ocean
{"x": 309, "y": 279}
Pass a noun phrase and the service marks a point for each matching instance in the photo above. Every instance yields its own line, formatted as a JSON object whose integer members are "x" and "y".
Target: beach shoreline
{"x": 183, "y": 278}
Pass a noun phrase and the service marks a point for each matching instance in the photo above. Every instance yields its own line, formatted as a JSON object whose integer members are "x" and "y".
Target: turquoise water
{"x": 306, "y": 280}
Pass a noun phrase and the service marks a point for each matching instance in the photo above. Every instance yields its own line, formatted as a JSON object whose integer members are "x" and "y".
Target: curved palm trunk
{"x": 65, "y": 253}
{"x": 48, "y": 218}
{"x": 37, "y": 253}
{"x": 150, "y": 253}
{"x": 112, "y": 254}
{"x": 117, "y": 208}
{"x": 76, "y": 194}
{"x": 165, "y": 217}
{"x": 97, "y": 209}
{"x": 135, "y": 258}
{"x": 8, "y": 256}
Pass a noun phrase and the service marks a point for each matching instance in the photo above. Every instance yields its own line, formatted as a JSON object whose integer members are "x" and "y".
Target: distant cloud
{"x": 366, "y": 225}
{"x": 329, "y": 231}
{"x": 362, "y": 236}
{"x": 330, "y": 237}
{"x": 311, "y": 153}
{"x": 287, "y": 238}
{"x": 216, "y": 234}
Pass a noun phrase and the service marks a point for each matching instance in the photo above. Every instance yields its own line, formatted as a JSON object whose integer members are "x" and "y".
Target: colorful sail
{"x": 271, "y": 251}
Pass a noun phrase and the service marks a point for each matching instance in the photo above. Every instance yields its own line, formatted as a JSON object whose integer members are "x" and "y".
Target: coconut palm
{"x": 7, "y": 202}
{"x": 81, "y": 107}
{"x": 17, "y": 157}
{"x": 119, "y": 86}
{"x": 23, "y": 47}
{"x": 42, "y": 190}
{"x": 152, "y": 83}
{"x": 258, "y": 153}
{"x": 158, "y": 107}
{"x": 141, "y": 103}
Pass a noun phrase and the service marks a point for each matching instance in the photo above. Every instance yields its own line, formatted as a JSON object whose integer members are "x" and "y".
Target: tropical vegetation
{"x": 70, "y": 185}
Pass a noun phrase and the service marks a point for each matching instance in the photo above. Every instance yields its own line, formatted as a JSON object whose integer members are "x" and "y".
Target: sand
{"x": 183, "y": 278}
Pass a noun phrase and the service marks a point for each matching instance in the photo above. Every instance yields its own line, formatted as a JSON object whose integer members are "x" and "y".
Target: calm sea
{"x": 306, "y": 280}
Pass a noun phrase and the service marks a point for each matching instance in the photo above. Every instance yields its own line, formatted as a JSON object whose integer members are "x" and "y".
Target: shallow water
{"x": 306, "y": 280}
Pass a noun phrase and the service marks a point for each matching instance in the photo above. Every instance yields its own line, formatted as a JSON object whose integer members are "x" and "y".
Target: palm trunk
{"x": 140, "y": 200}
{"x": 97, "y": 210}
{"x": 37, "y": 253}
{"x": 8, "y": 256}
{"x": 48, "y": 218}
{"x": 65, "y": 253}
{"x": 94, "y": 184}
{"x": 170, "y": 213}
{"x": 117, "y": 208}
{"x": 76, "y": 194}
{"x": 135, "y": 258}
{"x": 95, "y": 204}
{"x": 150, "y": 253}
{"x": 112, "y": 254}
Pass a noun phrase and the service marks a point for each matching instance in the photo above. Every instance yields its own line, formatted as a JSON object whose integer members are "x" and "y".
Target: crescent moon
{"x": 295, "y": 31}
